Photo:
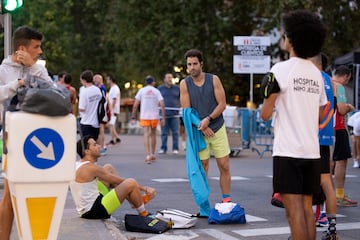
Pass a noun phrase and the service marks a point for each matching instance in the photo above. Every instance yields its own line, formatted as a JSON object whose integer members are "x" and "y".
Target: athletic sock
{"x": 332, "y": 223}
{"x": 226, "y": 198}
{"x": 142, "y": 211}
{"x": 340, "y": 193}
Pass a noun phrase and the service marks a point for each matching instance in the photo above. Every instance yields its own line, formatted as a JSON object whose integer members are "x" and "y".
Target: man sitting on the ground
{"x": 99, "y": 190}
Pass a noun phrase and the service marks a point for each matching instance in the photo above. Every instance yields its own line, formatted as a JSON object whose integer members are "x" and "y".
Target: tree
{"x": 134, "y": 38}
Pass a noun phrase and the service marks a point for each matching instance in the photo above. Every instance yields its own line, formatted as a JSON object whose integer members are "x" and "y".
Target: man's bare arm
{"x": 268, "y": 106}
{"x": 220, "y": 97}
{"x": 184, "y": 95}
{"x": 136, "y": 104}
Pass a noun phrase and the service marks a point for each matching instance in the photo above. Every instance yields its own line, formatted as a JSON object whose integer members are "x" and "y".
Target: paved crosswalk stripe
{"x": 286, "y": 230}
{"x": 216, "y": 234}
{"x": 346, "y": 176}
{"x": 251, "y": 218}
{"x": 347, "y": 226}
{"x": 263, "y": 231}
{"x": 170, "y": 180}
{"x": 232, "y": 178}
{"x": 176, "y": 235}
{"x": 350, "y": 176}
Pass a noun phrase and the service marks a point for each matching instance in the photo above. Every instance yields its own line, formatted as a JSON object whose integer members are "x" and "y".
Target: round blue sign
{"x": 43, "y": 148}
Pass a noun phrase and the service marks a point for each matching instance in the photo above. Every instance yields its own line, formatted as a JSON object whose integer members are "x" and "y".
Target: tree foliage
{"x": 134, "y": 38}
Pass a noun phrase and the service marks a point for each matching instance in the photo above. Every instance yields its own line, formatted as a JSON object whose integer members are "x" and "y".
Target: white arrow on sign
{"x": 47, "y": 152}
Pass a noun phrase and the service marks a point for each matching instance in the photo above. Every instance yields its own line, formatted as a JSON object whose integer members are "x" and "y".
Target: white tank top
{"x": 84, "y": 194}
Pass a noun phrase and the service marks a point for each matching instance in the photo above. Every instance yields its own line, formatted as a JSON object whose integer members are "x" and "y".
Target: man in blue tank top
{"x": 204, "y": 93}
{"x": 326, "y": 139}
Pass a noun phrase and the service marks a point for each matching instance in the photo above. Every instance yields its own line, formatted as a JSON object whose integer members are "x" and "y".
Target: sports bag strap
{"x": 178, "y": 213}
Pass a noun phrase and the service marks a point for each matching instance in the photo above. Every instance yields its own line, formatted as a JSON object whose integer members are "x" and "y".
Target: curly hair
{"x": 305, "y": 31}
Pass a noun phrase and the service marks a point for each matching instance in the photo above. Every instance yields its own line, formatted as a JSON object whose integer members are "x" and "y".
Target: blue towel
{"x": 196, "y": 173}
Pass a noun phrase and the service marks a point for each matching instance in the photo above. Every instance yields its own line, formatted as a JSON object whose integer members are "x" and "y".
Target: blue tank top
{"x": 326, "y": 126}
{"x": 202, "y": 99}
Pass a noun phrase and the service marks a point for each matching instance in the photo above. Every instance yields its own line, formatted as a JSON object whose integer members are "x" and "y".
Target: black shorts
{"x": 324, "y": 159}
{"x": 296, "y": 175}
{"x": 90, "y": 130}
{"x": 342, "y": 150}
{"x": 97, "y": 210}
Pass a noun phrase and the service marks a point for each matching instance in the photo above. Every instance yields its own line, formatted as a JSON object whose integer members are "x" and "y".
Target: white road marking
{"x": 169, "y": 180}
{"x": 350, "y": 176}
{"x": 346, "y": 176}
{"x": 263, "y": 231}
{"x": 175, "y": 235}
{"x": 251, "y": 218}
{"x": 232, "y": 178}
{"x": 286, "y": 230}
{"x": 216, "y": 234}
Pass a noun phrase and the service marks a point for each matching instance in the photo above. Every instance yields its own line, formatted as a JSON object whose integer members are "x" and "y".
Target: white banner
{"x": 251, "y": 54}
{"x": 251, "y": 64}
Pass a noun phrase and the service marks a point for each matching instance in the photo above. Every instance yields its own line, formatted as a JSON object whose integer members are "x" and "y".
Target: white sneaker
{"x": 175, "y": 152}
{"x": 161, "y": 151}
{"x": 356, "y": 164}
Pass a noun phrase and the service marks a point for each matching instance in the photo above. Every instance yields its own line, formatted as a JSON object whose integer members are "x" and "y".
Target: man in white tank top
{"x": 98, "y": 191}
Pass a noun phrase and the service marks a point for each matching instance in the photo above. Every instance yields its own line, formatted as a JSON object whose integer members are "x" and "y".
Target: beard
{"x": 195, "y": 73}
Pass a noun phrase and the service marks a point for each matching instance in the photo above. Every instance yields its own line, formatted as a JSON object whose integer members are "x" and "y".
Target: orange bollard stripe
{"x": 41, "y": 212}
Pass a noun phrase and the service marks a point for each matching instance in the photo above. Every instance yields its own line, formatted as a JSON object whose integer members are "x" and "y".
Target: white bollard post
{"x": 39, "y": 165}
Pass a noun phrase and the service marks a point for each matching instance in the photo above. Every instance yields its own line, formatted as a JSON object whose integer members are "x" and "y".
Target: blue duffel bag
{"x": 227, "y": 213}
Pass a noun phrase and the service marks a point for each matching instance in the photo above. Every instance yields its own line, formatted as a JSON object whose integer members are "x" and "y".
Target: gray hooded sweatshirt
{"x": 10, "y": 72}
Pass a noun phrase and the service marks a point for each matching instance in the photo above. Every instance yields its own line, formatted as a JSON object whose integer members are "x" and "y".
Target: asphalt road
{"x": 251, "y": 188}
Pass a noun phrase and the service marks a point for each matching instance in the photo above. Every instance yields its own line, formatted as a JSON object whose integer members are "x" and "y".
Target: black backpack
{"x": 137, "y": 223}
{"x": 39, "y": 96}
{"x": 42, "y": 97}
{"x": 101, "y": 109}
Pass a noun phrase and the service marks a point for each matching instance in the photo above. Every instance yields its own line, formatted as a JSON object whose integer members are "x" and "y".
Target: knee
{"x": 109, "y": 167}
{"x": 130, "y": 183}
{"x": 205, "y": 164}
{"x": 224, "y": 167}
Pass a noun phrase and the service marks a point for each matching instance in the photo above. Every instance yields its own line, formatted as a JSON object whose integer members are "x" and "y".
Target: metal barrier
{"x": 245, "y": 115}
{"x": 246, "y": 129}
{"x": 237, "y": 122}
{"x": 262, "y": 134}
